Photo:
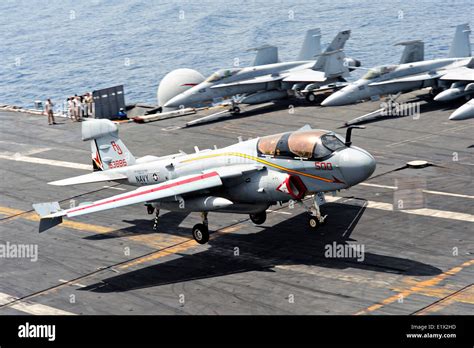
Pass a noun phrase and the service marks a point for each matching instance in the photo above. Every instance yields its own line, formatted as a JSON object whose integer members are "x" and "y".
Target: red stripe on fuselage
{"x": 182, "y": 182}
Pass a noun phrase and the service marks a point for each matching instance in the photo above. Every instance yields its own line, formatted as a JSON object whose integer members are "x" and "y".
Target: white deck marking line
{"x": 444, "y": 214}
{"x": 441, "y": 193}
{"x": 31, "y": 308}
{"x": 75, "y": 284}
{"x": 115, "y": 188}
{"x": 448, "y": 194}
{"x": 28, "y": 159}
{"x": 278, "y": 212}
{"x": 377, "y": 185}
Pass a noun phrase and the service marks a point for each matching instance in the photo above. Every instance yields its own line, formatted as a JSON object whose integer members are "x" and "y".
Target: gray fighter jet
{"x": 244, "y": 178}
{"x": 267, "y": 82}
{"x": 453, "y": 75}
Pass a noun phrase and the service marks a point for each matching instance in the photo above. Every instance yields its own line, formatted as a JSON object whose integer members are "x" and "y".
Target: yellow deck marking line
{"x": 438, "y": 292}
{"x": 466, "y": 296}
{"x": 150, "y": 240}
{"x": 256, "y": 159}
{"x": 441, "y": 293}
{"x": 31, "y": 308}
{"x": 417, "y": 288}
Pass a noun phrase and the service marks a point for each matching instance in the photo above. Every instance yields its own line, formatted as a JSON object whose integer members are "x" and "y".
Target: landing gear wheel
{"x": 310, "y": 97}
{"x": 149, "y": 208}
{"x": 201, "y": 233}
{"x": 313, "y": 222}
{"x": 258, "y": 218}
{"x": 235, "y": 110}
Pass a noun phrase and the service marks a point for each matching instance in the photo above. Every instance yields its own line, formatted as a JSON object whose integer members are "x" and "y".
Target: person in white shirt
{"x": 70, "y": 107}
{"x": 77, "y": 108}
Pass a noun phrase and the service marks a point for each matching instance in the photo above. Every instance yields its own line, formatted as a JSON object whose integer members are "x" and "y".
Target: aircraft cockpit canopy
{"x": 379, "y": 71}
{"x": 310, "y": 144}
{"x": 221, "y": 74}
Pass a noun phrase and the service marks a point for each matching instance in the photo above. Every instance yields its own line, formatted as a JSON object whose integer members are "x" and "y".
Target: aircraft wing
{"x": 260, "y": 79}
{"x": 412, "y": 78}
{"x": 305, "y": 75}
{"x": 459, "y": 74}
{"x": 170, "y": 188}
{"x": 98, "y": 176}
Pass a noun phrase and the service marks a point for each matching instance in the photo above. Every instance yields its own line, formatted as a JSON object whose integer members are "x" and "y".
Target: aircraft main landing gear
{"x": 149, "y": 209}
{"x": 258, "y": 218}
{"x": 311, "y": 97}
{"x": 201, "y": 231}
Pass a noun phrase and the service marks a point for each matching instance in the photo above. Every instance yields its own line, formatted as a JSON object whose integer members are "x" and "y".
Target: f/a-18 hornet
{"x": 244, "y": 178}
{"x": 274, "y": 80}
{"x": 450, "y": 78}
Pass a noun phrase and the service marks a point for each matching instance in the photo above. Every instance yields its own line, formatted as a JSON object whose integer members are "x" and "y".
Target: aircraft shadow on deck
{"x": 168, "y": 221}
{"x": 289, "y": 242}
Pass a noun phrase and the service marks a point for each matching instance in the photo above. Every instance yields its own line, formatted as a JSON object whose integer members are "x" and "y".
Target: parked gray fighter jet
{"x": 453, "y": 74}
{"x": 262, "y": 83}
{"x": 245, "y": 178}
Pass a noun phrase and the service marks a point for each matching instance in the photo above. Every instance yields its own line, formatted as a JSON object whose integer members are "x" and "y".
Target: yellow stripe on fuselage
{"x": 253, "y": 158}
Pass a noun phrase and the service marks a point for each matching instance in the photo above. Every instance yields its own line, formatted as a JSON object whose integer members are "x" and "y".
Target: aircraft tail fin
{"x": 311, "y": 45}
{"x": 108, "y": 151}
{"x": 265, "y": 55}
{"x": 49, "y": 213}
{"x": 414, "y": 51}
{"x": 339, "y": 41}
{"x": 332, "y": 61}
{"x": 461, "y": 46}
{"x": 332, "y": 64}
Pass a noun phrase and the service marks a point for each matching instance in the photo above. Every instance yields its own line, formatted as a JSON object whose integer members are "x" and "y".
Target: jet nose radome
{"x": 463, "y": 112}
{"x": 176, "y": 101}
{"x": 335, "y": 99}
{"x": 356, "y": 165}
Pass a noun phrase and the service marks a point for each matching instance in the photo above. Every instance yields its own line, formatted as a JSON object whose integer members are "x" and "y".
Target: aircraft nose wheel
{"x": 316, "y": 218}
{"x": 235, "y": 110}
{"x": 258, "y": 218}
{"x": 313, "y": 222}
{"x": 201, "y": 233}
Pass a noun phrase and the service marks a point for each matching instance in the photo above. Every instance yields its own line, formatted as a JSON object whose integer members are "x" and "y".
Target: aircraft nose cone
{"x": 175, "y": 102}
{"x": 334, "y": 99}
{"x": 357, "y": 165}
{"x": 463, "y": 112}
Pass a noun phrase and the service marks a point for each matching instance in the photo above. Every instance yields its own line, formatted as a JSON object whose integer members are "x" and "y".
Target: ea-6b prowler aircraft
{"x": 267, "y": 82}
{"x": 245, "y": 178}
{"x": 452, "y": 77}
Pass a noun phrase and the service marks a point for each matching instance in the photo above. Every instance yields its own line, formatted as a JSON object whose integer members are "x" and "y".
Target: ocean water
{"x": 58, "y": 48}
